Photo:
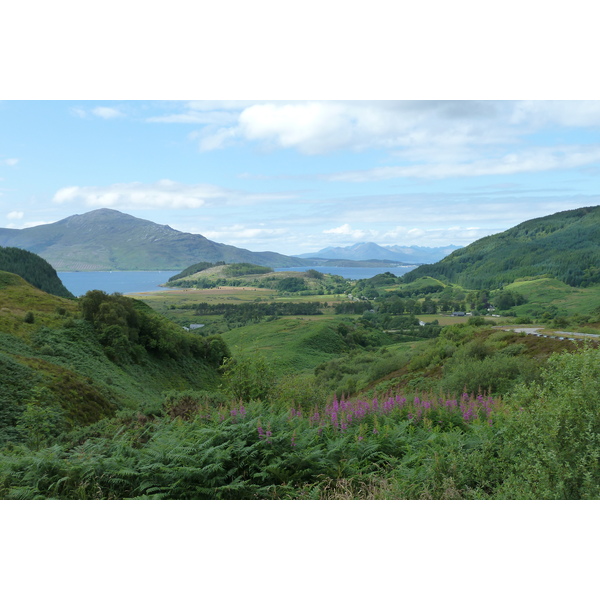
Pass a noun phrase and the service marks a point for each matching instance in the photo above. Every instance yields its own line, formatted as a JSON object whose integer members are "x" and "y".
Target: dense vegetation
{"x": 67, "y": 363}
{"x": 33, "y": 269}
{"x": 383, "y": 388}
{"x": 563, "y": 245}
{"x": 540, "y": 442}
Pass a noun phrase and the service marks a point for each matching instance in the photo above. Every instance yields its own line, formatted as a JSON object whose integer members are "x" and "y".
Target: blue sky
{"x": 297, "y": 176}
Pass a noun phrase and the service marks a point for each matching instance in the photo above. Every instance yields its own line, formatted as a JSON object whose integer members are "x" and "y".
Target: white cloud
{"x": 347, "y": 232}
{"x": 426, "y": 139}
{"x": 316, "y": 127}
{"x": 525, "y": 161}
{"x": 235, "y": 233}
{"x": 15, "y": 214}
{"x": 105, "y": 112}
{"x": 11, "y": 162}
{"x": 205, "y": 112}
{"x": 411, "y": 236}
{"x": 564, "y": 113}
{"x": 212, "y": 138}
{"x": 162, "y": 194}
{"x": 418, "y": 236}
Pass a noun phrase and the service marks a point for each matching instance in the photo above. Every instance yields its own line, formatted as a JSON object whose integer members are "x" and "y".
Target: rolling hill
{"x": 564, "y": 245}
{"x": 105, "y": 240}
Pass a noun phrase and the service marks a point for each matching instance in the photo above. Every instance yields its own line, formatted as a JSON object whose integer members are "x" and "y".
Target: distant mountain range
{"x": 371, "y": 251}
{"x": 565, "y": 246}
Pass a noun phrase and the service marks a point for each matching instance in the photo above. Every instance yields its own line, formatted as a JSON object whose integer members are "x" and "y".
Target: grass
{"x": 283, "y": 342}
{"x": 547, "y": 292}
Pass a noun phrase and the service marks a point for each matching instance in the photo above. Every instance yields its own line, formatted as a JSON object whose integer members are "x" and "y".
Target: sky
{"x": 298, "y": 176}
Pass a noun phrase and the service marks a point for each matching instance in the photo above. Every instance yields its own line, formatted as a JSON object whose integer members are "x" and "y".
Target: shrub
{"x": 554, "y": 438}
{"x": 248, "y": 379}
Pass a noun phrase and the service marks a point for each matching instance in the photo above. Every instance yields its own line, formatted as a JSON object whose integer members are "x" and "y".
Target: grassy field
{"x": 547, "y": 292}
{"x": 178, "y": 305}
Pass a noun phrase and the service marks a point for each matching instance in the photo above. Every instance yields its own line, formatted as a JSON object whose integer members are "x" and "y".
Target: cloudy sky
{"x": 297, "y": 176}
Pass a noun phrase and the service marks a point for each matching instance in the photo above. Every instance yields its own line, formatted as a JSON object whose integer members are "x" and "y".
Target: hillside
{"x": 105, "y": 239}
{"x": 34, "y": 270}
{"x": 67, "y": 363}
{"x": 563, "y": 245}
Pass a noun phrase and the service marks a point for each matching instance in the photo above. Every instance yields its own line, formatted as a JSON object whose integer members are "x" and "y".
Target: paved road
{"x": 534, "y": 331}
{"x": 529, "y": 330}
{"x": 574, "y": 333}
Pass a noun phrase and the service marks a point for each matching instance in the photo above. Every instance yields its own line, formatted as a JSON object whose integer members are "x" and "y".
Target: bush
{"x": 41, "y": 421}
{"x": 496, "y": 374}
{"x": 554, "y": 437}
{"x": 248, "y": 379}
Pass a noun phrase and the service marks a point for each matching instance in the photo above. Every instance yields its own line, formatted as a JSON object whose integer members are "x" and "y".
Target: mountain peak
{"x": 107, "y": 240}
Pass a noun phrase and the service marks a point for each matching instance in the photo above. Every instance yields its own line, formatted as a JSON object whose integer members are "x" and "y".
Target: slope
{"x": 563, "y": 245}
{"x": 33, "y": 269}
{"x": 60, "y": 369}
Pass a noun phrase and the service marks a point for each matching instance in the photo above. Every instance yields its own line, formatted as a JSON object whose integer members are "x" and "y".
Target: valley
{"x": 246, "y": 383}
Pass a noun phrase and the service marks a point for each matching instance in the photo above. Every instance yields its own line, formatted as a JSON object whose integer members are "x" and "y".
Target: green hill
{"x": 563, "y": 245}
{"x": 107, "y": 239}
{"x": 67, "y": 363}
{"x": 34, "y": 270}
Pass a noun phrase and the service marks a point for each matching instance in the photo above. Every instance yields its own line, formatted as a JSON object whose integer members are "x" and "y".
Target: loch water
{"x": 124, "y": 282}
{"x": 130, "y": 282}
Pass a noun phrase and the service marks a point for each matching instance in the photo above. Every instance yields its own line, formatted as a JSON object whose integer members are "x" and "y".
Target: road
{"x": 534, "y": 331}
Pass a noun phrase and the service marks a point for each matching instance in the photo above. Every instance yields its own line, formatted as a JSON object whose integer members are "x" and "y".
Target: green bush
{"x": 41, "y": 420}
{"x": 496, "y": 374}
{"x": 248, "y": 379}
{"x": 554, "y": 437}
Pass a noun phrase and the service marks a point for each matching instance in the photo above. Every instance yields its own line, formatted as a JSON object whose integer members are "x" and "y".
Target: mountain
{"x": 33, "y": 269}
{"x": 564, "y": 245}
{"x": 105, "y": 240}
{"x": 372, "y": 251}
